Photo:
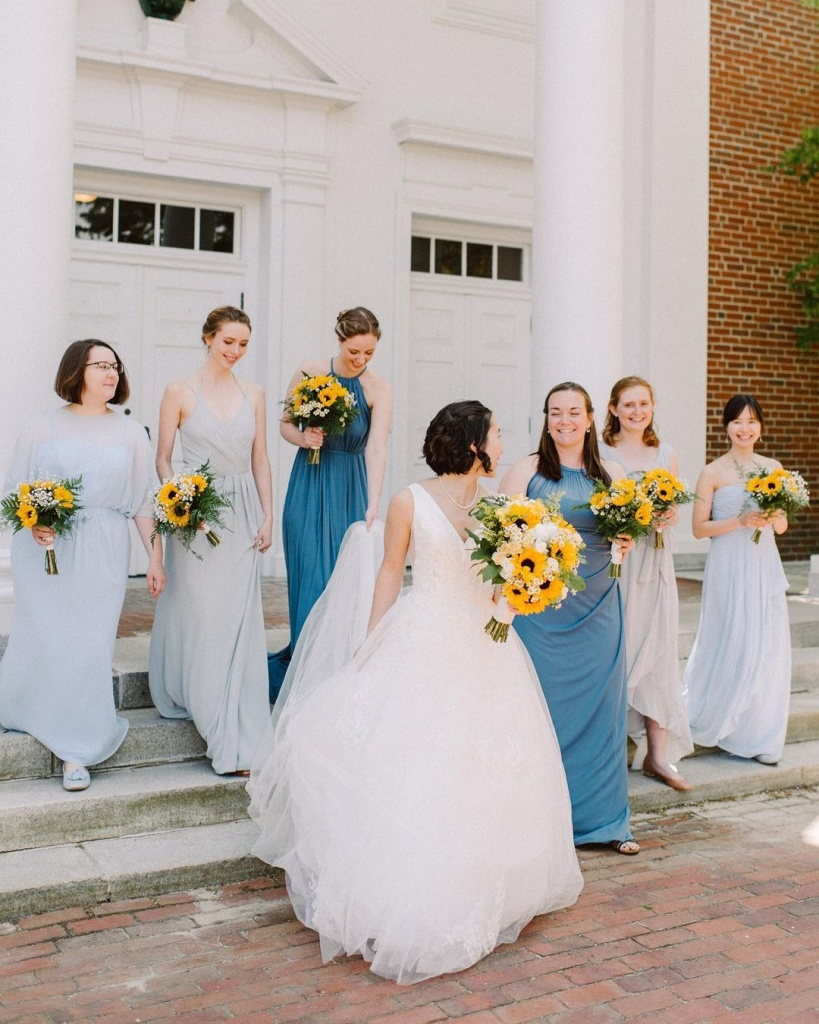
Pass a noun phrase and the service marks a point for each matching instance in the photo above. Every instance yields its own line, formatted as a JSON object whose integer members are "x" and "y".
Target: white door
{"x": 464, "y": 344}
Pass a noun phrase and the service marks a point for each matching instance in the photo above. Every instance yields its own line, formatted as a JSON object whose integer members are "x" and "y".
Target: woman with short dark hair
{"x": 55, "y": 677}
{"x": 415, "y": 795}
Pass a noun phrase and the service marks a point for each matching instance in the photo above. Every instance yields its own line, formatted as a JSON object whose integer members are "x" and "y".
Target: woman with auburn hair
{"x": 323, "y": 499}
{"x": 55, "y": 677}
{"x": 208, "y": 657}
{"x": 413, "y": 790}
{"x": 578, "y": 650}
{"x": 658, "y": 722}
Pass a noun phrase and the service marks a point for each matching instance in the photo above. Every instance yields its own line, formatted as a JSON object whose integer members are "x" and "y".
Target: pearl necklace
{"x": 454, "y": 502}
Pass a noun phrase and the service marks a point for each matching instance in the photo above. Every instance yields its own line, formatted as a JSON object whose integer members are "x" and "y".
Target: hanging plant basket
{"x": 169, "y": 10}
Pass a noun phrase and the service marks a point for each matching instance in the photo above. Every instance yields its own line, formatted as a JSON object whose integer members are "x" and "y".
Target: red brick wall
{"x": 764, "y": 91}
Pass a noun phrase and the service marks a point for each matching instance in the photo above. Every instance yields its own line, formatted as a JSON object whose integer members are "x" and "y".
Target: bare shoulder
{"x": 767, "y": 463}
{"x": 180, "y": 391}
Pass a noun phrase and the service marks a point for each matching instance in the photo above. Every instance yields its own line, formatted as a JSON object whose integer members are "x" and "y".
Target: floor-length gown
{"x": 322, "y": 500}
{"x": 55, "y": 677}
{"x": 651, "y": 615}
{"x": 737, "y": 680}
{"x": 208, "y": 658}
{"x": 578, "y": 652}
{"x": 416, "y": 797}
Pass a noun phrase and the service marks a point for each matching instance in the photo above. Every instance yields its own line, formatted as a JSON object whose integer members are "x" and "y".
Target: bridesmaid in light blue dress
{"x": 55, "y": 677}
{"x": 345, "y": 486}
{"x": 578, "y": 650}
{"x": 738, "y": 677}
{"x": 208, "y": 658}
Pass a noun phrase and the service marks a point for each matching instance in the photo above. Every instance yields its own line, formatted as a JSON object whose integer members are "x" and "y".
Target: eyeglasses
{"x": 107, "y": 367}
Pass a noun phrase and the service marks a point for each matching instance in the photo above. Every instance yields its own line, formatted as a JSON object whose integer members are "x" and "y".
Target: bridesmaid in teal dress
{"x": 578, "y": 650}
{"x": 323, "y": 499}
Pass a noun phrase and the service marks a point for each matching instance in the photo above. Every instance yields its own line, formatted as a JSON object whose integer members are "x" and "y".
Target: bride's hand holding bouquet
{"x": 530, "y": 552}
{"x": 623, "y": 514}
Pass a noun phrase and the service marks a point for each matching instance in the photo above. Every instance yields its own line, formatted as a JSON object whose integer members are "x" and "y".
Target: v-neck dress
{"x": 322, "y": 501}
{"x": 415, "y": 795}
{"x": 208, "y": 658}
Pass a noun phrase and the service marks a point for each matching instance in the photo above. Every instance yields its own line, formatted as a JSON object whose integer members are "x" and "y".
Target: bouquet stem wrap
{"x": 213, "y": 537}
{"x": 314, "y": 457}
{"x": 616, "y": 567}
{"x": 51, "y": 561}
{"x": 498, "y": 625}
{"x": 659, "y": 543}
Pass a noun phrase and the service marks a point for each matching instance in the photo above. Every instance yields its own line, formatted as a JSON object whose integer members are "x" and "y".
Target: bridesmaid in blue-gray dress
{"x": 208, "y": 658}
{"x": 578, "y": 650}
{"x": 324, "y": 499}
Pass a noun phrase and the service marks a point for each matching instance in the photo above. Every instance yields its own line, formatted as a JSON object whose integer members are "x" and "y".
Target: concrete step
{"x": 151, "y": 739}
{"x": 50, "y": 878}
{"x": 120, "y": 802}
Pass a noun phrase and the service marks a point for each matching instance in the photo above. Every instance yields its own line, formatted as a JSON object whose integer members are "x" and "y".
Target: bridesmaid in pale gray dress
{"x": 658, "y": 721}
{"x": 208, "y": 657}
{"x": 55, "y": 677}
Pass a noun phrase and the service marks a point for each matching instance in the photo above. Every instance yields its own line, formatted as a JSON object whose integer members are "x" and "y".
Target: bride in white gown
{"x": 415, "y": 796}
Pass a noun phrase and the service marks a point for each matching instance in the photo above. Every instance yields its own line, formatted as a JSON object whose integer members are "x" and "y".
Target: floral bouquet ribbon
{"x": 48, "y": 502}
{"x": 530, "y": 551}
{"x": 620, "y": 508}
{"x": 781, "y": 490}
{"x": 321, "y": 401}
{"x": 188, "y": 503}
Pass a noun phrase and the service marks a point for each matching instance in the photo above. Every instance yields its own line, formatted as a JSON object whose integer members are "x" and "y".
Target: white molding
{"x": 427, "y": 133}
{"x": 494, "y": 18}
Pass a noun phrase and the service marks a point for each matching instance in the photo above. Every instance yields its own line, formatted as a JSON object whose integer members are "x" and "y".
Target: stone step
{"x": 119, "y": 802}
{"x": 151, "y": 739}
{"x": 72, "y": 874}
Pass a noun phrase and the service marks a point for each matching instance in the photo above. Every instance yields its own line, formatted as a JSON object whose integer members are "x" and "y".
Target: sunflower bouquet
{"x": 620, "y": 508}
{"x": 187, "y": 503}
{"x": 321, "y": 401}
{"x": 663, "y": 490}
{"x": 50, "y": 503}
{"x": 781, "y": 490}
{"x": 528, "y": 548}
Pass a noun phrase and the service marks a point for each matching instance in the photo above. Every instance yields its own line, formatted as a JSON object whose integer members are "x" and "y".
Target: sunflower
{"x": 199, "y": 482}
{"x": 643, "y": 513}
{"x": 598, "y": 500}
{"x": 178, "y": 515}
{"x": 529, "y": 564}
{"x": 566, "y": 552}
{"x": 23, "y": 490}
{"x": 27, "y": 515}
{"x": 519, "y": 513}
{"x": 771, "y": 485}
{"x": 665, "y": 491}
{"x": 64, "y": 497}
{"x": 622, "y": 492}
{"x": 168, "y": 495}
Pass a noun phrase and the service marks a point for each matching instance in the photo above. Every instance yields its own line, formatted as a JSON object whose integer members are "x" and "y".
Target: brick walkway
{"x": 716, "y": 920}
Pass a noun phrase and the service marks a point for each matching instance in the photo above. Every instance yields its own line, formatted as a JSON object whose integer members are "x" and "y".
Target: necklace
{"x": 454, "y": 502}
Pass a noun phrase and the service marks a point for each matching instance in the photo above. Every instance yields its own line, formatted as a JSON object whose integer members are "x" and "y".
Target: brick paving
{"x": 717, "y": 921}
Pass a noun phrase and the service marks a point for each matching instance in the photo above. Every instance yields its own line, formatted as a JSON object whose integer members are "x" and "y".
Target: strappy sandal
{"x": 619, "y": 846}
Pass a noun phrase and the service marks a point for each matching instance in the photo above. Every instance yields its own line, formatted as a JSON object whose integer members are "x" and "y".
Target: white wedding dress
{"x": 415, "y": 796}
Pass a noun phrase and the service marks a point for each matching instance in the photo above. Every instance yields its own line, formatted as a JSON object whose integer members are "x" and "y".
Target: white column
{"x": 37, "y": 71}
{"x": 578, "y": 249}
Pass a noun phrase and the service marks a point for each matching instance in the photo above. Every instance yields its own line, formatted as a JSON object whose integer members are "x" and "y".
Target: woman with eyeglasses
{"x": 55, "y": 677}
{"x": 208, "y": 658}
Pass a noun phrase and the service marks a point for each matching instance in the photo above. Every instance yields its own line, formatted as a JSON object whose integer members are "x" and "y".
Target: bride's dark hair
{"x": 448, "y": 445}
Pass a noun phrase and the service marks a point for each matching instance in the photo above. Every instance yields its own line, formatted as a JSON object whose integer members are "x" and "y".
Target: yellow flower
{"x": 622, "y": 492}
{"x": 27, "y": 515}
{"x": 565, "y": 552}
{"x": 643, "y": 513}
{"x": 598, "y": 500}
{"x": 771, "y": 485}
{"x": 520, "y": 513}
{"x": 168, "y": 494}
{"x": 529, "y": 564}
{"x": 754, "y": 484}
{"x": 199, "y": 482}
{"x": 524, "y": 603}
{"x": 23, "y": 490}
{"x": 665, "y": 492}
{"x": 178, "y": 515}
{"x": 64, "y": 497}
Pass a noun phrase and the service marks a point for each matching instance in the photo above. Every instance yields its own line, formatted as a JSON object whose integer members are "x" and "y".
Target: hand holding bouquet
{"x": 321, "y": 401}
{"x": 48, "y": 503}
{"x": 781, "y": 490}
{"x": 528, "y": 548}
{"x": 663, "y": 490}
{"x": 187, "y": 503}
{"x": 621, "y": 508}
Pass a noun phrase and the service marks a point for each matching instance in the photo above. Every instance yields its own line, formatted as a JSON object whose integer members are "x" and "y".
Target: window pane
{"x": 510, "y": 264}
{"x": 420, "y": 255}
{"x": 216, "y": 230}
{"x": 136, "y": 222}
{"x": 478, "y": 260}
{"x": 94, "y": 218}
{"x": 447, "y": 256}
{"x": 176, "y": 226}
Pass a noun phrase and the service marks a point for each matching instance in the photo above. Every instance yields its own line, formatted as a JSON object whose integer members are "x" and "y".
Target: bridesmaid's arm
{"x": 396, "y": 545}
{"x": 262, "y": 477}
{"x": 170, "y": 417}
{"x": 516, "y": 480}
{"x": 702, "y": 525}
{"x": 156, "y": 571}
{"x": 375, "y": 454}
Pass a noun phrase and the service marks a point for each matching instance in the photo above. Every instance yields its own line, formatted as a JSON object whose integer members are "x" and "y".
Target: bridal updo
{"x": 455, "y": 436}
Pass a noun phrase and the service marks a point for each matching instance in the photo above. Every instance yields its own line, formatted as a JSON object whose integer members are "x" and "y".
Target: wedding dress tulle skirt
{"x": 416, "y": 798}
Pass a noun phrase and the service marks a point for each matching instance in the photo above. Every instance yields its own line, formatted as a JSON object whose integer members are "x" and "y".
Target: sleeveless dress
{"x": 55, "y": 677}
{"x": 648, "y": 587}
{"x": 415, "y": 797}
{"x": 737, "y": 680}
{"x": 321, "y": 502}
{"x": 579, "y": 654}
{"x": 208, "y": 658}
